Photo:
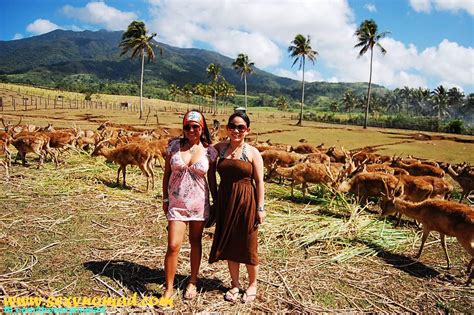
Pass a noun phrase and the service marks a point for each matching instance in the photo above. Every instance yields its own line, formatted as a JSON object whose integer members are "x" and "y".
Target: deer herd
{"x": 419, "y": 189}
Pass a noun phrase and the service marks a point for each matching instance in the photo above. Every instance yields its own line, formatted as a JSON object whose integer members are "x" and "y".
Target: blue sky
{"x": 430, "y": 41}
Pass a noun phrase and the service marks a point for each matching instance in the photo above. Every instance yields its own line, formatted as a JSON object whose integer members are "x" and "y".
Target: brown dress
{"x": 235, "y": 236}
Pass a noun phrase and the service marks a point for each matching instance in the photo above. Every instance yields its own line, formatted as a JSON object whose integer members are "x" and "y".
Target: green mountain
{"x": 61, "y": 55}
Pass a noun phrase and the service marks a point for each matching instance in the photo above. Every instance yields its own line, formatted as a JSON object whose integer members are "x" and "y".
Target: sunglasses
{"x": 189, "y": 127}
{"x": 240, "y": 128}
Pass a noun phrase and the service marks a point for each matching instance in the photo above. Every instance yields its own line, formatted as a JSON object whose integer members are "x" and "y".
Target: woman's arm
{"x": 257, "y": 162}
{"x": 166, "y": 179}
{"x": 211, "y": 177}
{"x": 211, "y": 174}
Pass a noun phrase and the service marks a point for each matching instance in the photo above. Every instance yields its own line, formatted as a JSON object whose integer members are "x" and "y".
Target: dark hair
{"x": 205, "y": 135}
{"x": 242, "y": 115}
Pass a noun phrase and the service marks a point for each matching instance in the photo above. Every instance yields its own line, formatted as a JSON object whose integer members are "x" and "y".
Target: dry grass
{"x": 71, "y": 232}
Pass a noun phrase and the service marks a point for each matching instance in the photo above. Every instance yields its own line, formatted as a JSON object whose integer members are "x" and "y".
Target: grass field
{"x": 71, "y": 232}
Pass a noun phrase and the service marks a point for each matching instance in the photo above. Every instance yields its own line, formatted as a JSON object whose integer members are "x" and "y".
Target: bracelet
{"x": 260, "y": 209}
{"x": 166, "y": 200}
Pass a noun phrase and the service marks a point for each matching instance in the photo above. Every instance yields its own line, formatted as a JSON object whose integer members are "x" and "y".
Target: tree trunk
{"x": 141, "y": 84}
{"x": 300, "y": 121}
{"x": 215, "y": 103}
{"x": 245, "y": 83}
{"x": 368, "y": 91}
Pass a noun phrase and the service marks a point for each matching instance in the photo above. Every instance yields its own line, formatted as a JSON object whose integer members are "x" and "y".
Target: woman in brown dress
{"x": 239, "y": 207}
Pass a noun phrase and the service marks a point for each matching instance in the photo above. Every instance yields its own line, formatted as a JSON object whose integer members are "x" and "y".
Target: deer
{"x": 419, "y": 169}
{"x": 129, "y": 154}
{"x": 38, "y": 144}
{"x": 446, "y": 217}
{"x": 315, "y": 173}
{"x": 464, "y": 178}
{"x": 5, "y": 153}
{"x": 274, "y": 158}
{"x": 365, "y": 185}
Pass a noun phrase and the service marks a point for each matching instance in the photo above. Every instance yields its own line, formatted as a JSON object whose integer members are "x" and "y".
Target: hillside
{"x": 49, "y": 58}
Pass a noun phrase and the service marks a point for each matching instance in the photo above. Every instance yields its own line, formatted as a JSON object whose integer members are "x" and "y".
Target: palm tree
{"x": 173, "y": 91}
{"x": 214, "y": 72}
{"x": 136, "y": 40}
{"x": 440, "y": 101}
{"x": 300, "y": 49}
{"x": 244, "y": 68}
{"x": 368, "y": 38}
{"x": 349, "y": 101}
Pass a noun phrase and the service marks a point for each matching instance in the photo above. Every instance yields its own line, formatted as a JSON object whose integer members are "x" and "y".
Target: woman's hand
{"x": 261, "y": 216}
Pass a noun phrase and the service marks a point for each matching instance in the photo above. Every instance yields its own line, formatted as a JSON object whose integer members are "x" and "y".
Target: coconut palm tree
{"x": 136, "y": 40}
{"x": 299, "y": 50}
{"x": 244, "y": 67}
{"x": 173, "y": 91}
{"x": 214, "y": 72}
{"x": 368, "y": 38}
{"x": 440, "y": 102}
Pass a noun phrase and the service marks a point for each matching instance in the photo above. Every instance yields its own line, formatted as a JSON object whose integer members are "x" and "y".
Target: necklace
{"x": 193, "y": 148}
{"x": 234, "y": 152}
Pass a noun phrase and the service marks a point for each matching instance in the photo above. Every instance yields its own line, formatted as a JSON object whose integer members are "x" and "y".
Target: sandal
{"x": 232, "y": 295}
{"x": 247, "y": 298}
{"x": 190, "y": 292}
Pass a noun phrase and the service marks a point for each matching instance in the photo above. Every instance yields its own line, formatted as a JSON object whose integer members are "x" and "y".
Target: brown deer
{"x": 32, "y": 143}
{"x": 130, "y": 154}
{"x": 446, "y": 217}
{"x": 315, "y": 173}
{"x": 365, "y": 185}
{"x": 6, "y": 154}
{"x": 464, "y": 178}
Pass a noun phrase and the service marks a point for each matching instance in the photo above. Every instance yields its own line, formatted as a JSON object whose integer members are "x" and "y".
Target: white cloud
{"x": 18, "y": 36}
{"x": 263, "y": 29}
{"x": 41, "y": 26}
{"x": 309, "y": 75}
{"x": 443, "y": 5}
{"x": 449, "y": 62}
{"x": 99, "y": 13}
{"x": 370, "y": 7}
{"x": 421, "y": 5}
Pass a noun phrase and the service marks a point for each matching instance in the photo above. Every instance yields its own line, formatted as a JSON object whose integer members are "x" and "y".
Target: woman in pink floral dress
{"x": 186, "y": 195}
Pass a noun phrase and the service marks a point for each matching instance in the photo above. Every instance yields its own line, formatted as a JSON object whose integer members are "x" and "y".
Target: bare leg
{"x": 251, "y": 292}
{"x": 176, "y": 231}
{"x": 443, "y": 244}
{"x": 195, "y": 239}
{"x": 423, "y": 240}
{"x": 234, "y": 273}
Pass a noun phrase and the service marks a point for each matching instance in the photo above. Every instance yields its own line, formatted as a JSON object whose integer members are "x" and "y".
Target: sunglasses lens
{"x": 240, "y": 128}
{"x": 189, "y": 127}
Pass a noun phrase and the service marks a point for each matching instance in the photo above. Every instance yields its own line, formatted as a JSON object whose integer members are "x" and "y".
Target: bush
{"x": 455, "y": 126}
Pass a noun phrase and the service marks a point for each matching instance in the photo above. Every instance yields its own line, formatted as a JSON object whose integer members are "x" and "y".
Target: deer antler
{"x": 21, "y": 118}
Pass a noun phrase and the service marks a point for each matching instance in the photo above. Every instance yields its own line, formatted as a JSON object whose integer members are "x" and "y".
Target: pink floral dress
{"x": 188, "y": 190}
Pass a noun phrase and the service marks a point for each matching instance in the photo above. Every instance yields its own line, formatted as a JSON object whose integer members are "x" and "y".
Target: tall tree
{"x": 244, "y": 67}
{"x": 214, "y": 72}
{"x": 440, "y": 101}
{"x": 368, "y": 38}
{"x": 173, "y": 91}
{"x": 299, "y": 50}
{"x": 136, "y": 40}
